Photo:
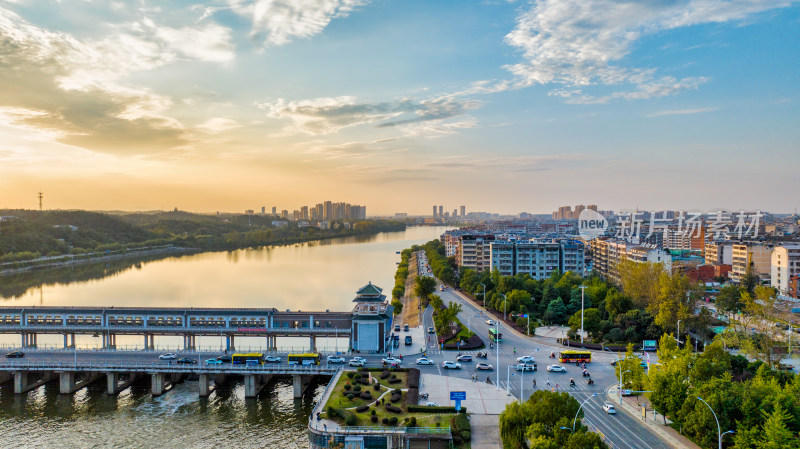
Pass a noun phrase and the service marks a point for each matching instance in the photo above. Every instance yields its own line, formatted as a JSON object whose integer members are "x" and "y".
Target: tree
{"x": 424, "y": 286}
{"x": 555, "y": 312}
{"x": 591, "y": 321}
{"x": 729, "y": 299}
{"x": 617, "y": 303}
{"x": 640, "y": 281}
{"x": 776, "y": 435}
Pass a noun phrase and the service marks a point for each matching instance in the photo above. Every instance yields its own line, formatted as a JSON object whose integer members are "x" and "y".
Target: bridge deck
{"x": 162, "y": 368}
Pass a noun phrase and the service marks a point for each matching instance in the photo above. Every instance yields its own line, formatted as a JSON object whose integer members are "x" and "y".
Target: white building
{"x": 719, "y": 253}
{"x": 785, "y": 264}
{"x": 537, "y": 258}
{"x": 752, "y": 255}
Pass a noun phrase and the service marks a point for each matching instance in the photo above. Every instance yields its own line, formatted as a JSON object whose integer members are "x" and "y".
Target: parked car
{"x": 391, "y": 360}
{"x": 408, "y": 340}
{"x": 168, "y": 356}
{"x": 609, "y": 408}
{"x": 431, "y": 404}
{"x": 424, "y": 361}
{"x": 272, "y": 359}
{"x": 525, "y": 359}
{"x": 405, "y": 328}
{"x": 213, "y": 362}
{"x": 556, "y": 369}
{"x": 491, "y": 322}
{"x": 526, "y": 367}
{"x": 336, "y": 359}
{"x": 483, "y": 366}
{"x": 224, "y": 358}
{"x": 431, "y": 330}
{"x": 357, "y": 361}
{"x": 186, "y": 361}
{"x": 451, "y": 365}
{"x": 464, "y": 358}
{"x": 15, "y": 355}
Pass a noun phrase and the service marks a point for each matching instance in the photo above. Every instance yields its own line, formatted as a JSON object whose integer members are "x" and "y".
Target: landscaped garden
{"x": 388, "y": 398}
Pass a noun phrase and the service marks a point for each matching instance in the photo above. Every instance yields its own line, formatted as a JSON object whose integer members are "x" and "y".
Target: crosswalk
{"x": 491, "y": 352}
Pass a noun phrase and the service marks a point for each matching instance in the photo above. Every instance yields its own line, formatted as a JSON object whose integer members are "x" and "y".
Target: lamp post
{"x": 499, "y": 339}
{"x": 583, "y": 288}
{"x": 579, "y": 410}
{"x": 678, "y": 338}
{"x": 719, "y": 430}
{"x": 621, "y": 373}
{"x": 505, "y": 302}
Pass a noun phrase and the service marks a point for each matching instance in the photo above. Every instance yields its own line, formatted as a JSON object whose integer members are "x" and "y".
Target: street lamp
{"x": 521, "y": 382}
{"x": 579, "y": 410}
{"x": 620, "y": 380}
{"x": 505, "y": 302}
{"x": 499, "y": 339}
{"x": 678, "y": 338}
{"x": 719, "y": 430}
{"x": 583, "y": 288}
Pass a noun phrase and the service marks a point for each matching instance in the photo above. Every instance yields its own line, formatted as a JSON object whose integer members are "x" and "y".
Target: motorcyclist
{"x": 572, "y": 382}
{"x": 488, "y": 380}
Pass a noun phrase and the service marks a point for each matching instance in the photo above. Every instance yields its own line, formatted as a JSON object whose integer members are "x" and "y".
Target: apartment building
{"x": 754, "y": 255}
{"x": 474, "y": 251}
{"x": 785, "y": 265}
{"x": 538, "y": 259}
{"x": 607, "y": 254}
{"x": 717, "y": 253}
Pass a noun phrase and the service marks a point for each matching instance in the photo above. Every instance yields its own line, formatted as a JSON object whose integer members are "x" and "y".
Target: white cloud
{"x": 581, "y": 43}
{"x": 219, "y": 124}
{"x": 681, "y": 112}
{"x": 277, "y": 22}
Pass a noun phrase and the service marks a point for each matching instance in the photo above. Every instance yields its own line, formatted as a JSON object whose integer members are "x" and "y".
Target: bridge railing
{"x": 162, "y": 367}
{"x": 325, "y": 350}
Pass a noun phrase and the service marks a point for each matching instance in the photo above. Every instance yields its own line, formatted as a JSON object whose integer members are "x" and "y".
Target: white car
{"x": 609, "y": 409}
{"x": 484, "y": 366}
{"x": 526, "y": 367}
{"x": 451, "y": 365}
{"x": 168, "y": 356}
{"x": 357, "y": 361}
{"x": 424, "y": 361}
{"x": 272, "y": 359}
{"x": 556, "y": 369}
{"x": 491, "y": 322}
{"x": 525, "y": 359}
{"x": 335, "y": 359}
{"x": 391, "y": 360}
{"x": 431, "y": 404}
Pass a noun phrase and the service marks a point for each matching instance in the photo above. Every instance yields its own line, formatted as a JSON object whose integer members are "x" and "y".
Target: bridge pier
{"x": 204, "y": 381}
{"x": 188, "y": 342}
{"x": 149, "y": 341}
{"x": 21, "y": 384}
{"x": 230, "y": 343}
{"x": 68, "y": 385}
{"x": 28, "y": 340}
{"x": 300, "y": 383}
{"x": 254, "y": 383}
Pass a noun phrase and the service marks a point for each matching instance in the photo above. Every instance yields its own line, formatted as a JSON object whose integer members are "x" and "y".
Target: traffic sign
{"x": 458, "y": 395}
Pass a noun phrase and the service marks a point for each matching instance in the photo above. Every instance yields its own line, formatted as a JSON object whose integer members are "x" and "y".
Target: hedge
{"x": 395, "y": 381}
{"x": 395, "y": 398}
{"x": 439, "y": 409}
{"x": 366, "y": 395}
{"x": 474, "y": 342}
{"x": 412, "y": 397}
{"x": 385, "y": 374}
{"x": 393, "y": 409}
{"x": 349, "y": 417}
{"x": 362, "y": 408}
{"x": 413, "y": 378}
{"x": 380, "y": 369}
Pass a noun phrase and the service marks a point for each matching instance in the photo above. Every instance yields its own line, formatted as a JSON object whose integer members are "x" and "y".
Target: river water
{"x": 310, "y": 276}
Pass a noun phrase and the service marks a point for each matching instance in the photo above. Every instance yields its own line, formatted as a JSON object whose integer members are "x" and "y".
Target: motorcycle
{"x": 423, "y": 395}
{"x": 572, "y": 382}
{"x": 590, "y": 382}
{"x": 488, "y": 381}
{"x": 552, "y": 355}
{"x": 482, "y": 355}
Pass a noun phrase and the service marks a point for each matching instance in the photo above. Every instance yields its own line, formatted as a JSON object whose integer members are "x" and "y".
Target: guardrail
{"x": 323, "y": 350}
{"x": 173, "y": 368}
{"x": 361, "y": 430}
{"x": 175, "y": 330}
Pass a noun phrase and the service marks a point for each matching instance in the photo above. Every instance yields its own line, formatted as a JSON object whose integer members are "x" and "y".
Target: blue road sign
{"x": 458, "y": 395}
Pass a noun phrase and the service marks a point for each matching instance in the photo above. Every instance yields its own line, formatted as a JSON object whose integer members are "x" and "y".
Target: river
{"x": 309, "y": 276}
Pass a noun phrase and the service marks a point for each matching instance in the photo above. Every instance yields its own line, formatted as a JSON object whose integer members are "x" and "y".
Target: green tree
{"x": 591, "y": 321}
{"x": 424, "y": 286}
{"x": 776, "y": 434}
{"x": 556, "y": 311}
{"x": 616, "y": 303}
{"x": 729, "y": 299}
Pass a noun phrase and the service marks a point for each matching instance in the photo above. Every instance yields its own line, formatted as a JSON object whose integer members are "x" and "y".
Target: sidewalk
{"x": 653, "y": 423}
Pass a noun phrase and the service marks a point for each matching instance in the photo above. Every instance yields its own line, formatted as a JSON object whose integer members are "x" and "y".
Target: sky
{"x": 501, "y": 106}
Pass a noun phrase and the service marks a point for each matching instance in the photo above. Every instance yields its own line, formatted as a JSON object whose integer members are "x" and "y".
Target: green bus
{"x": 310, "y": 358}
{"x": 494, "y": 335}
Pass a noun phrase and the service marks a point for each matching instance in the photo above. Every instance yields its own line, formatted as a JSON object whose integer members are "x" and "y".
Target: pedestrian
{"x": 325, "y": 426}
{"x": 534, "y": 383}
{"x": 515, "y": 350}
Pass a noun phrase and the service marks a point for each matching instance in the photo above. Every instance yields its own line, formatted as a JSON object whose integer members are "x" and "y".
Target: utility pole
{"x": 41, "y": 195}
{"x": 583, "y": 289}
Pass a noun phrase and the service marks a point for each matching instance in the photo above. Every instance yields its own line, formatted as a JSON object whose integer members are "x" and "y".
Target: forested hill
{"x": 27, "y": 234}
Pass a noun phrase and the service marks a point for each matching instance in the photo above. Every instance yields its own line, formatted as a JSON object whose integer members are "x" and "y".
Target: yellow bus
{"x": 310, "y": 358}
{"x": 250, "y": 358}
{"x": 572, "y": 356}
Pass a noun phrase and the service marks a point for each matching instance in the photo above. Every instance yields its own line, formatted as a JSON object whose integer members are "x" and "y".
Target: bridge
{"x": 120, "y": 375}
{"x": 108, "y": 322}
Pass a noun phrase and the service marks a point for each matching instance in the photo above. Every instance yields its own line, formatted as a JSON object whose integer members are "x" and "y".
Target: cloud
{"x": 277, "y": 22}
{"x": 330, "y": 115}
{"x": 219, "y": 124}
{"x": 681, "y": 112}
{"x": 576, "y": 44}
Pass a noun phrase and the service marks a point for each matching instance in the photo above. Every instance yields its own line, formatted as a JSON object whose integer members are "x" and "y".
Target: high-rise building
{"x": 304, "y": 212}
{"x": 463, "y": 211}
{"x": 285, "y": 214}
{"x": 577, "y": 212}
{"x": 328, "y": 211}
{"x": 785, "y": 266}
{"x": 434, "y": 211}
{"x": 441, "y": 211}
{"x": 455, "y": 213}
{"x": 263, "y": 210}
{"x": 274, "y": 210}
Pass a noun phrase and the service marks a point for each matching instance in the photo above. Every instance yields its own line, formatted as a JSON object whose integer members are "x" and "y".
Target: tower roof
{"x": 369, "y": 293}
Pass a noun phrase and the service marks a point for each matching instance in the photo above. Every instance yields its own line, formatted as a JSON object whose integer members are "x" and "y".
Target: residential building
{"x": 785, "y": 264}
{"x": 537, "y": 258}
{"x": 463, "y": 211}
{"x": 719, "y": 253}
{"x": 474, "y": 251}
{"x": 607, "y": 254}
{"x": 755, "y": 256}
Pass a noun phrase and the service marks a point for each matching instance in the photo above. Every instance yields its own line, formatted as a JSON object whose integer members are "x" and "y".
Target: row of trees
{"x": 400, "y": 278}
{"x": 761, "y": 405}
{"x": 545, "y": 421}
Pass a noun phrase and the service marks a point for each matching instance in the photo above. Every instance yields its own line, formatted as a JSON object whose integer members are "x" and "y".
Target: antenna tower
{"x": 41, "y": 195}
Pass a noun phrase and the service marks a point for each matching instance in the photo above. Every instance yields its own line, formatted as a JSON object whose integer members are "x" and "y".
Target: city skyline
{"x": 506, "y": 106}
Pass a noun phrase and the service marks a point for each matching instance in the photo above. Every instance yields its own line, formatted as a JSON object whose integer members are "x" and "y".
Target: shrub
{"x": 347, "y": 387}
{"x": 350, "y": 396}
{"x": 373, "y": 411}
{"x": 385, "y": 421}
{"x": 395, "y": 381}
{"x": 351, "y": 419}
{"x": 457, "y": 439}
{"x": 393, "y": 409}
{"x": 357, "y": 388}
{"x": 373, "y": 418}
{"x": 412, "y": 422}
{"x": 376, "y": 387}
{"x": 385, "y": 374}
{"x": 362, "y": 408}
{"x": 393, "y": 421}
{"x": 363, "y": 381}
{"x": 366, "y": 395}
{"x": 397, "y": 391}
{"x": 357, "y": 376}
{"x": 466, "y": 435}
{"x": 350, "y": 374}
{"x": 395, "y": 397}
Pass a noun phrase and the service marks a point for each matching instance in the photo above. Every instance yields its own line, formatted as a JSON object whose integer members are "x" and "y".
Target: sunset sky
{"x": 503, "y": 106}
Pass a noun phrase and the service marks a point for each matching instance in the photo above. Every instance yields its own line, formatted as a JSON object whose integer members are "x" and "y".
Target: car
{"x": 397, "y": 328}
{"x": 336, "y": 359}
{"x": 213, "y": 362}
{"x": 408, "y": 340}
{"x": 357, "y": 361}
{"x": 464, "y": 358}
{"x": 272, "y": 359}
{"x": 556, "y": 369}
{"x": 609, "y": 408}
{"x": 15, "y": 355}
{"x": 525, "y": 359}
{"x": 431, "y": 330}
{"x": 168, "y": 356}
{"x": 441, "y": 288}
{"x": 431, "y": 404}
{"x": 424, "y": 361}
{"x": 405, "y": 328}
{"x": 391, "y": 361}
{"x": 491, "y": 322}
{"x": 224, "y": 358}
{"x": 483, "y": 366}
{"x": 451, "y": 365}
{"x": 186, "y": 361}
{"x": 526, "y": 367}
